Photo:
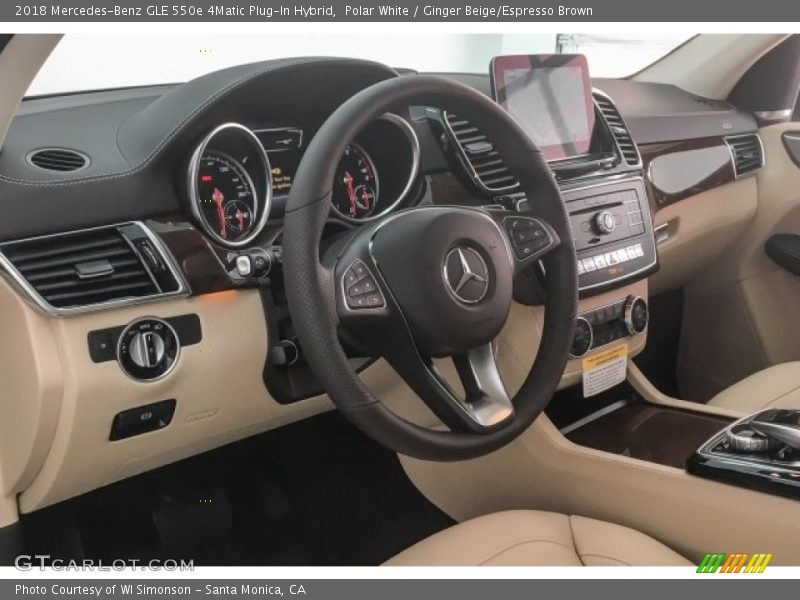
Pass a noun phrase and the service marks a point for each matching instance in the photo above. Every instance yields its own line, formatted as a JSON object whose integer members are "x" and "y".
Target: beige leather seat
{"x": 774, "y": 387}
{"x": 536, "y": 538}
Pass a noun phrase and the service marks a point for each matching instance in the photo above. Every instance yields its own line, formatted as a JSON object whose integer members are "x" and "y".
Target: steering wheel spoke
{"x": 486, "y": 398}
{"x": 485, "y": 404}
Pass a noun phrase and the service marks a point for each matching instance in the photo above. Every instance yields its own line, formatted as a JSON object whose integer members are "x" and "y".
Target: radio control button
{"x": 600, "y": 261}
{"x": 588, "y": 265}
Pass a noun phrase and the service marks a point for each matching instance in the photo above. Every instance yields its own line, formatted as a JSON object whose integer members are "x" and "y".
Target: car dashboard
{"x": 141, "y": 252}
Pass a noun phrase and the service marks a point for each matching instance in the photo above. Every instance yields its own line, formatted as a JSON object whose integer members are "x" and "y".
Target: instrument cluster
{"x": 240, "y": 177}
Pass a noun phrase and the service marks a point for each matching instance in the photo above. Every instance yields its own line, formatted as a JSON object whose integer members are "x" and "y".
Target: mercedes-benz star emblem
{"x": 466, "y": 274}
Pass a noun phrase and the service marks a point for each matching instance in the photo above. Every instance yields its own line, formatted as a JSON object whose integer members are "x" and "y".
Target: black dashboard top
{"x": 138, "y": 139}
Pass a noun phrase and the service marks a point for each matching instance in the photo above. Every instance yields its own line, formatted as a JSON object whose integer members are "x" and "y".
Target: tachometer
{"x": 355, "y": 186}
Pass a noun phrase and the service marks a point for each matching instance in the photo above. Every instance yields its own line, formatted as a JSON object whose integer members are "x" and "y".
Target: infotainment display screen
{"x": 551, "y": 97}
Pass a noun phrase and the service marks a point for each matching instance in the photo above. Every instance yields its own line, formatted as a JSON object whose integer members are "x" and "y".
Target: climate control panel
{"x": 607, "y": 324}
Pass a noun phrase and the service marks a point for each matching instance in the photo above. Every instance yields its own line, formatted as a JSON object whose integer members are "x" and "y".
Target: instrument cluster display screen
{"x": 551, "y": 97}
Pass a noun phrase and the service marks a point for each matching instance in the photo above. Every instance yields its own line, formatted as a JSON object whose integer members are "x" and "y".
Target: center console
{"x": 760, "y": 451}
{"x": 589, "y": 149}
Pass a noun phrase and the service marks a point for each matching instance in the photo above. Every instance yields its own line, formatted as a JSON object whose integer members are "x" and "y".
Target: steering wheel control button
{"x": 636, "y": 315}
{"x": 360, "y": 289}
{"x": 528, "y": 236}
{"x": 148, "y": 349}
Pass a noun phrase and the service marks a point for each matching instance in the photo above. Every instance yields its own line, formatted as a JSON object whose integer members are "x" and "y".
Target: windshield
{"x": 83, "y": 62}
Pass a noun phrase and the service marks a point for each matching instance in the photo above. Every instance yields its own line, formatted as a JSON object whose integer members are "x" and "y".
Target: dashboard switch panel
{"x": 142, "y": 419}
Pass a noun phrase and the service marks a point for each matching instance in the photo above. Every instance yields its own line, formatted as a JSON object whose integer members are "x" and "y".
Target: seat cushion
{"x": 536, "y": 538}
{"x": 774, "y": 387}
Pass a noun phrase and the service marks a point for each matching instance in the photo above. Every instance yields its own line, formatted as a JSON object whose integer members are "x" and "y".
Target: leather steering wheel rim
{"x": 312, "y": 288}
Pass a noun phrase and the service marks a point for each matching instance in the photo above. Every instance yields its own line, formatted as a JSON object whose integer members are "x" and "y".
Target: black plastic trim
{"x": 784, "y": 250}
{"x": 103, "y": 342}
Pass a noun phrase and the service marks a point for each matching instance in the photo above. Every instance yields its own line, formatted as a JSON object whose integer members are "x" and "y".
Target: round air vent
{"x": 58, "y": 159}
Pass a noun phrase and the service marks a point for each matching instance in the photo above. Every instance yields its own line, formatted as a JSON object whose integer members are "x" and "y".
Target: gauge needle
{"x": 351, "y": 193}
{"x": 240, "y": 218}
{"x": 218, "y": 199}
{"x": 364, "y": 200}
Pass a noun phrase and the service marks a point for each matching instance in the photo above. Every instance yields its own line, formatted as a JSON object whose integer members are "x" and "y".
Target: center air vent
{"x": 747, "y": 153}
{"x": 618, "y": 129}
{"x": 78, "y": 270}
{"x": 58, "y": 159}
{"x": 479, "y": 156}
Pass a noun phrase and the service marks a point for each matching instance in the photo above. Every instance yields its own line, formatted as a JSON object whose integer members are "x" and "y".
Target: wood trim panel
{"x": 678, "y": 170}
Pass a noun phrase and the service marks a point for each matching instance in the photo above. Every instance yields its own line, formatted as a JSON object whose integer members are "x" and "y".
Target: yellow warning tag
{"x": 604, "y": 370}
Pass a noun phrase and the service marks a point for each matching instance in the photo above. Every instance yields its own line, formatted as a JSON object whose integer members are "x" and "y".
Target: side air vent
{"x": 479, "y": 156}
{"x": 747, "y": 153}
{"x": 79, "y": 270}
{"x": 58, "y": 159}
{"x": 619, "y": 130}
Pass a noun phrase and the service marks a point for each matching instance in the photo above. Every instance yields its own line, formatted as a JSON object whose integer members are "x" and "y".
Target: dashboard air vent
{"x": 618, "y": 128}
{"x": 481, "y": 159}
{"x": 58, "y": 159}
{"x": 747, "y": 153}
{"x": 95, "y": 266}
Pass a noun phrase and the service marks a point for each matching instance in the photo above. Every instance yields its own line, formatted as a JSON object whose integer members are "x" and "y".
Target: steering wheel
{"x": 430, "y": 282}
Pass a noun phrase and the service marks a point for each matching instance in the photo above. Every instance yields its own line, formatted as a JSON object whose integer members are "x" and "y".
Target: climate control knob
{"x": 636, "y": 315}
{"x": 148, "y": 349}
{"x": 583, "y": 338}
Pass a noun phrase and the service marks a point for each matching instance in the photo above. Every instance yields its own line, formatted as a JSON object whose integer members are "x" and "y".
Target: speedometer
{"x": 355, "y": 186}
{"x": 230, "y": 185}
{"x": 226, "y": 197}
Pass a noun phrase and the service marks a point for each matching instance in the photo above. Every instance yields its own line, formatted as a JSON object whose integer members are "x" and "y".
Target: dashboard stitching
{"x": 177, "y": 129}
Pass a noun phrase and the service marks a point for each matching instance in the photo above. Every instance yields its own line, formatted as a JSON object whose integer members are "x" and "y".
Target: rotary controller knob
{"x": 148, "y": 349}
{"x": 742, "y": 438}
{"x": 604, "y": 222}
{"x": 636, "y": 315}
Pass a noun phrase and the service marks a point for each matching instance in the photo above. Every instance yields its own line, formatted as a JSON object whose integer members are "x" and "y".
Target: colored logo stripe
{"x": 734, "y": 563}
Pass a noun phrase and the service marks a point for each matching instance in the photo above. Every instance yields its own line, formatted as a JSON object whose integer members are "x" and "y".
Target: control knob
{"x": 583, "y": 338}
{"x": 148, "y": 349}
{"x": 604, "y": 222}
{"x": 636, "y": 315}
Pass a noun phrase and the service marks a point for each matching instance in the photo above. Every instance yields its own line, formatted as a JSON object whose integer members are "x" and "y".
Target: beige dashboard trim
{"x": 30, "y": 394}
{"x": 217, "y": 385}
